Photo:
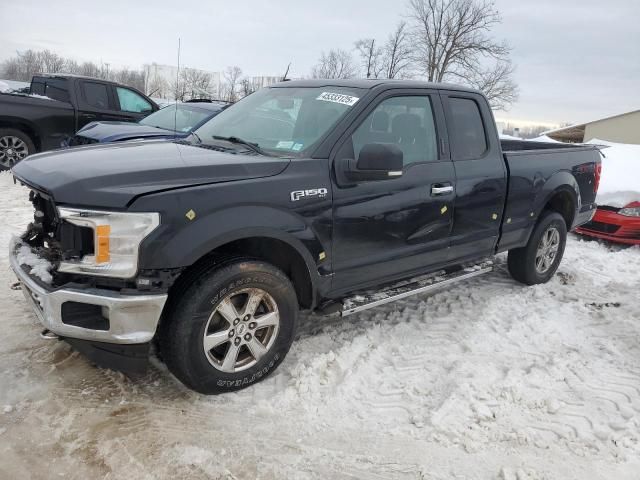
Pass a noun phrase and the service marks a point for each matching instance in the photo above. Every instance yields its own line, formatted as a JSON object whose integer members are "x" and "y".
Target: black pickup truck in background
{"x": 56, "y": 107}
{"x": 304, "y": 195}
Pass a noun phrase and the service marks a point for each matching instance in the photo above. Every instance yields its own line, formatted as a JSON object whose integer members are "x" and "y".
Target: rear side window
{"x": 96, "y": 95}
{"x": 130, "y": 101}
{"x": 55, "y": 88}
{"x": 468, "y": 137}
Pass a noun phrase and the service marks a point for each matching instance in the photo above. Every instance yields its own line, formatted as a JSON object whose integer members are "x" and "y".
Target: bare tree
{"x": 496, "y": 83}
{"x": 89, "y": 69}
{"x": 397, "y": 53}
{"x": 30, "y": 62}
{"x": 371, "y": 57}
{"x": 196, "y": 82}
{"x": 178, "y": 89}
{"x": 23, "y": 66}
{"x": 335, "y": 64}
{"x": 133, "y": 78}
{"x": 158, "y": 87}
{"x": 52, "y": 62}
{"x": 246, "y": 87}
{"x": 452, "y": 42}
{"x": 11, "y": 69}
{"x": 231, "y": 80}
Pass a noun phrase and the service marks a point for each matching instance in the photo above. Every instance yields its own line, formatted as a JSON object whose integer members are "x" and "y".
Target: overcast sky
{"x": 576, "y": 59}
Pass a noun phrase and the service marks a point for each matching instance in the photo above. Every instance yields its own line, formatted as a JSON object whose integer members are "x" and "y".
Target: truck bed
{"x": 536, "y": 171}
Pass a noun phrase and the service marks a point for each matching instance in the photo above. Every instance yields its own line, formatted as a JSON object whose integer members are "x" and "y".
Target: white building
{"x": 263, "y": 81}
{"x": 161, "y": 81}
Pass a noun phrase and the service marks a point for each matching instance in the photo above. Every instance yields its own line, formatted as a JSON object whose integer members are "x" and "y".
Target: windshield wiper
{"x": 197, "y": 136}
{"x": 253, "y": 146}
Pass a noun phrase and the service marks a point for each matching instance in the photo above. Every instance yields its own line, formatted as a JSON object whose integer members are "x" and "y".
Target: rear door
{"x": 386, "y": 229}
{"x": 481, "y": 175}
{"x": 96, "y": 102}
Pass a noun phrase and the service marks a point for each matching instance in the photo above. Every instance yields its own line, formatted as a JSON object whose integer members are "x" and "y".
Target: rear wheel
{"x": 231, "y": 327}
{"x": 14, "y": 146}
{"x": 538, "y": 261}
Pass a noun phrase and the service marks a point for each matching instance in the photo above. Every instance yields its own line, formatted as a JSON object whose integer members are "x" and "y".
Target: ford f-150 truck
{"x": 59, "y": 105}
{"x": 300, "y": 196}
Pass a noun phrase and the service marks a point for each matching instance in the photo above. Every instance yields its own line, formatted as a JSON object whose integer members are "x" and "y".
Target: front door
{"x": 133, "y": 107}
{"x": 393, "y": 228}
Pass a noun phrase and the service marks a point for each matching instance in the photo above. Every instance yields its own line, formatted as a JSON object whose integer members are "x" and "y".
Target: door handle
{"x": 441, "y": 189}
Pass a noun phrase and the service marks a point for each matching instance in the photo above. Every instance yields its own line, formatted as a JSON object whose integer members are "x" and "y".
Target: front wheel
{"x": 231, "y": 326}
{"x": 538, "y": 261}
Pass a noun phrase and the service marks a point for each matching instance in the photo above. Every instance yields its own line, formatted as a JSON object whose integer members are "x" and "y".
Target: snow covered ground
{"x": 487, "y": 380}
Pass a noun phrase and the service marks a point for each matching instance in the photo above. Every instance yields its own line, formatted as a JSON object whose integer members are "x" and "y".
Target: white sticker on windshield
{"x": 338, "y": 98}
{"x": 284, "y": 144}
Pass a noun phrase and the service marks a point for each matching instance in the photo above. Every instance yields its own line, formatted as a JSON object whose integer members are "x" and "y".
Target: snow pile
{"x": 620, "y": 180}
{"x": 40, "y": 267}
{"x": 504, "y": 136}
{"x": 42, "y": 97}
{"x": 544, "y": 139}
{"x": 4, "y": 88}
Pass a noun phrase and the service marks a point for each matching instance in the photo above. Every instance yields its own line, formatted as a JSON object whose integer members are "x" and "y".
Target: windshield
{"x": 282, "y": 120}
{"x": 186, "y": 119}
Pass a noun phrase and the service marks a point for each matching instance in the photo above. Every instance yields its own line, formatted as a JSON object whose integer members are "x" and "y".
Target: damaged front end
{"x": 38, "y": 248}
{"x": 103, "y": 317}
{"x": 48, "y": 241}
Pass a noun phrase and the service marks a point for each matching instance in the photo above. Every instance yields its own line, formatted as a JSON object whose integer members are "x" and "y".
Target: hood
{"x": 116, "y": 131}
{"x": 112, "y": 175}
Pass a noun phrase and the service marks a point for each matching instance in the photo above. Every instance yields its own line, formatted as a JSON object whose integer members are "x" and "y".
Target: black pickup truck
{"x": 298, "y": 197}
{"x": 56, "y": 107}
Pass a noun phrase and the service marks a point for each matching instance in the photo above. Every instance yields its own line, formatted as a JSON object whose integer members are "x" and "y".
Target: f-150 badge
{"x": 311, "y": 193}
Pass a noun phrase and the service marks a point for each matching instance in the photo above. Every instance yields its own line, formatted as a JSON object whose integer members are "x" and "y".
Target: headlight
{"x": 117, "y": 238}
{"x": 631, "y": 210}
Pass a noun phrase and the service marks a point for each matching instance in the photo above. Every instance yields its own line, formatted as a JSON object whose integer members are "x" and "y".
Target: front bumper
{"x": 610, "y": 225}
{"x": 131, "y": 319}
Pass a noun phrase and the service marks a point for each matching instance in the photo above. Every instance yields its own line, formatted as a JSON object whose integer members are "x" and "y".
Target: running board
{"x": 361, "y": 302}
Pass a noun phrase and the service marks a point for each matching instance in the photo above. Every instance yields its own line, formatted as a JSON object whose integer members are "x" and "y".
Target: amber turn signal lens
{"x": 102, "y": 243}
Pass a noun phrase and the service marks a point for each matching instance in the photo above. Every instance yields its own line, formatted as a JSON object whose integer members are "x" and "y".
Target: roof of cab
{"x": 369, "y": 84}
{"x": 73, "y": 75}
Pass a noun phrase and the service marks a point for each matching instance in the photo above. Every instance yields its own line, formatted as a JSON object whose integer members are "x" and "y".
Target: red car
{"x": 621, "y": 225}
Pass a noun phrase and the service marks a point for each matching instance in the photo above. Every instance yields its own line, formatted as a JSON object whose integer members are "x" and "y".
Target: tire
{"x": 526, "y": 265}
{"x": 15, "y": 145}
{"x": 204, "y": 308}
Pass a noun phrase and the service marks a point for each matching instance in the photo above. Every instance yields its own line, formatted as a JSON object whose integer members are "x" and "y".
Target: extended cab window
{"x": 403, "y": 121}
{"x": 55, "y": 88}
{"x": 468, "y": 139}
{"x": 96, "y": 94}
{"x": 130, "y": 101}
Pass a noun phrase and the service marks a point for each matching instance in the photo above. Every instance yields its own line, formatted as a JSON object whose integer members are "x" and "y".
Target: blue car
{"x": 173, "y": 121}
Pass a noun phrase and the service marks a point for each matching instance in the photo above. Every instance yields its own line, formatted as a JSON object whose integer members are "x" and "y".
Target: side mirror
{"x": 376, "y": 161}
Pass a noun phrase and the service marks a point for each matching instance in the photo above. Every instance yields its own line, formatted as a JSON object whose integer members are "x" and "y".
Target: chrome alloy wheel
{"x": 547, "y": 249}
{"x": 12, "y": 150}
{"x": 241, "y": 329}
